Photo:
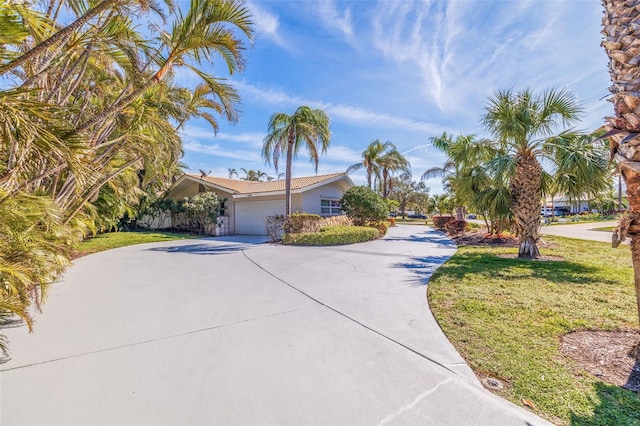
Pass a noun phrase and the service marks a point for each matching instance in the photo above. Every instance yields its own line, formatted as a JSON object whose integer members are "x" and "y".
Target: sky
{"x": 400, "y": 71}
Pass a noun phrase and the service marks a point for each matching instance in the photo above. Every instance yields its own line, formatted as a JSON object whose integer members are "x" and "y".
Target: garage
{"x": 250, "y": 215}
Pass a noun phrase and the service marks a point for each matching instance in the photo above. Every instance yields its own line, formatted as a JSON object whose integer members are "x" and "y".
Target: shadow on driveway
{"x": 425, "y": 237}
{"x": 422, "y": 268}
{"x": 202, "y": 248}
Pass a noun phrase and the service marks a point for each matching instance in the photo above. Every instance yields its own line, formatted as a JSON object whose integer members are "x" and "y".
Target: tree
{"x": 474, "y": 179}
{"x": 391, "y": 162}
{"x": 410, "y": 195}
{"x": 443, "y": 203}
{"x": 89, "y": 116}
{"x": 371, "y": 161}
{"x": 523, "y": 125}
{"x": 448, "y": 170}
{"x": 623, "y": 130}
{"x": 363, "y": 205}
{"x": 286, "y": 134}
{"x": 253, "y": 175}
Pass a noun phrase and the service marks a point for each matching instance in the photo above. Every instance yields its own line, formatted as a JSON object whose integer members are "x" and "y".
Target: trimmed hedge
{"x": 299, "y": 223}
{"x": 332, "y": 236}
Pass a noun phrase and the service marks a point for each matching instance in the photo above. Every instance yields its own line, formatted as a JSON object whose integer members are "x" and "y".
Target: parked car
{"x": 472, "y": 216}
{"x": 418, "y": 216}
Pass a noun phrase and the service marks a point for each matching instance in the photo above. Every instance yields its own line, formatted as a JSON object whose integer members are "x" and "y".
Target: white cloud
{"x": 344, "y": 113}
{"x": 342, "y": 155}
{"x": 334, "y": 19}
{"x": 267, "y": 24}
{"x": 252, "y": 139}
{"x": 219, "y": 151}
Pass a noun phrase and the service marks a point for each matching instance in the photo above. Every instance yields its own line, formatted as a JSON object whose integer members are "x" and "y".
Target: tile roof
{"x": 249, "y": 187}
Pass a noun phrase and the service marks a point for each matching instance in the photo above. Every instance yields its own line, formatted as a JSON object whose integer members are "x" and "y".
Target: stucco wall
{"x": 310, "y": 203}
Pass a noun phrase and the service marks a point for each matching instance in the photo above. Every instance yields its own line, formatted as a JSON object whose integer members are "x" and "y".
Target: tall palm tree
{"x": 288, "y": 133}
{"x": 232, "y": 173}
{"x": 623, "y": 132}
{"x": 370, "y": 161}
{"x": 524, "y": 124}
{"x": 392, "y": 161}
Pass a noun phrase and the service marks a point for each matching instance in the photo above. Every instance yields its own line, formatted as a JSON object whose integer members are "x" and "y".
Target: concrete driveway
{"x": 231, "y": 331}
{"x": 581, "y": 231}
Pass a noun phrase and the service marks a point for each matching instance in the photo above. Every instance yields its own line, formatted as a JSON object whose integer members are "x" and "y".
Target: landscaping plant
{"x": 363, "y": 205}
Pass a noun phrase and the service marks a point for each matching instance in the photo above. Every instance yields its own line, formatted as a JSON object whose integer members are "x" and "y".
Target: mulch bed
{"x": 611, "y": 356}
{"x": 481, "y": 238}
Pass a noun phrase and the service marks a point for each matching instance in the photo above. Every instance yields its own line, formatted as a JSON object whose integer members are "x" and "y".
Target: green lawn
{"x": 604, "y": 228}
{"x": 113, "y": 240}
{"x": 506, "y": 316}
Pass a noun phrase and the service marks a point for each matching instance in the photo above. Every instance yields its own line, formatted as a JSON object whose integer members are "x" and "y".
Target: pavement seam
{"x": 143, "y": 342}
{"x": 441, "y": 365}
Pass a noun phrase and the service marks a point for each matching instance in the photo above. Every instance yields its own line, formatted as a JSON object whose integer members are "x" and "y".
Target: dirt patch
{"x": 482, "y": 238}
{"x": 611, "y": 356}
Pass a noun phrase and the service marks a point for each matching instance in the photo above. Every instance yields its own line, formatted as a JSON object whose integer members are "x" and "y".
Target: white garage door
{"x": 250, "y": 215}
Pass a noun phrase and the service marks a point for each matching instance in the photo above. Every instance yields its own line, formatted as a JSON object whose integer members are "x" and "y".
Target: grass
{"x": 113, "y": 240}
{"x": 506, "y": 316}
{"x": 604, "y": 228}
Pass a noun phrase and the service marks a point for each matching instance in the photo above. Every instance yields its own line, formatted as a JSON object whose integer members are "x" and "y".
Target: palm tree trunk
{"x": 624, "y": 129}
{"x": 525, "y": 199}
{"x": 57, "y": 38}
{"x": 287, "y": 205}
{"x": 635, "y": 256}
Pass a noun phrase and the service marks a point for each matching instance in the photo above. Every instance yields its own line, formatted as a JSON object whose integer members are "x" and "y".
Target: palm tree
{"x": 254, "y": 175}
{"x": 623, "y": 130}
{"x": 232, "y": 173}
{"x": 288, "y": 133}
{"x": 370, "y": 161}
{"x": 523, "y": 124}
{"x": 200, "y": 34}
{"x": 391, "y": 162}
{"x": 195, "y": 104}
{"x": 462, "y": 152}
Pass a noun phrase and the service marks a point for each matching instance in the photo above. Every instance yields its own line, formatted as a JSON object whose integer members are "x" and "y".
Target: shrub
{"x": 341, "y": 220}
{"x": 332, "y": 235}
{"x": 299, "y": 223}
{"x": 197, "y": 214}
{"x": 363, "y": 205}
{"x": 274, "y": 226}
{"x": 380, "y": 226}
{"x": 392, "y": 221}
{"x": 455, "y": 227}
{"x": 440, "y": 222}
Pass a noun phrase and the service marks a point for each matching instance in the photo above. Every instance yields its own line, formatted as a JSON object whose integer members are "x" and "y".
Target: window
{"x": 329, "y": 207}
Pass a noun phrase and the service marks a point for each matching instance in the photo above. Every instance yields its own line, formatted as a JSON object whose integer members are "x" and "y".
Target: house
{"x": 248, "y": 203}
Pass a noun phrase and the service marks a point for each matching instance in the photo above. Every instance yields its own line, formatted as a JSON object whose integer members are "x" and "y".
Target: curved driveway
{"x": 230, "y": 331}
{"x": 581, "y": 231}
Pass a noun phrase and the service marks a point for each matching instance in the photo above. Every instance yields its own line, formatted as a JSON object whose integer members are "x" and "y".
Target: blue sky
{"x": 403, "y": 71}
